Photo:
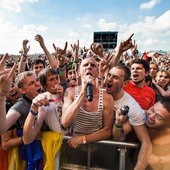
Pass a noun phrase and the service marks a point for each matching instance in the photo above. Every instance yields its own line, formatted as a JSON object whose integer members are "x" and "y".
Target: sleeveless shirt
{"x": 89, "y": 122}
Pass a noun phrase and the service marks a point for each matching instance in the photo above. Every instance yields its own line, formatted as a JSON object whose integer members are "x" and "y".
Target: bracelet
{"x": 33, "y": 113}
{"x": 61, "y": 69}
{"x": 84, "y": 139}
{"x": 117, "y": 126}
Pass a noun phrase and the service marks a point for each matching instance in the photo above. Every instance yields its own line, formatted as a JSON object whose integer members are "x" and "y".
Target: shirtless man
{"x": 158, "y": 118}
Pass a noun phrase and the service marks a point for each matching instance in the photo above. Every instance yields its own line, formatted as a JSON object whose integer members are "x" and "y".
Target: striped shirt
{"x": 89, "y": 122}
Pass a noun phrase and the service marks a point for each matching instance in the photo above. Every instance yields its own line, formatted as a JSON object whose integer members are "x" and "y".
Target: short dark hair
{"x": 126, "y": 71}
{"x": 38, "y": 61}
{"x": 143, "y": 62}
{"x": 44, "y": 73}
{"x": 165, "y": 103}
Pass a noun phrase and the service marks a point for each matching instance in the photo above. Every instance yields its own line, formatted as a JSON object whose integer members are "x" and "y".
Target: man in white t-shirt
{"x": 117, "y": 78}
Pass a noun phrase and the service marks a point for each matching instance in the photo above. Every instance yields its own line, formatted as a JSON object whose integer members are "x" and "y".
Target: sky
{"x": 59, "y": 21}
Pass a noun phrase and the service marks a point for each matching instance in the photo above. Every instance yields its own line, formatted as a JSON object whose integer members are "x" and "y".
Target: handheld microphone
{"x": 89, "y": 92}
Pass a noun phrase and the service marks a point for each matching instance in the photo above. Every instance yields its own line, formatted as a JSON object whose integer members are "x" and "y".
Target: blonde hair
{"x": 167, "y": 73}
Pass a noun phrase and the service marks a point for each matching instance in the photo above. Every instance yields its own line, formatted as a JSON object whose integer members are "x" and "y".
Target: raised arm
{"x": 121, "y": 126}
{"x": 35, "y": 118}
{"x": 75, "y": 50}
{"x": 62, "y": 65}
{"x": 5, "y": 85}
{"x": 52, "y": 61}
{"x": 97, "y": 48}
{"x": 24, "y": 56}
{"x": 124, "y": 46}
{"x": 71, "y": 106}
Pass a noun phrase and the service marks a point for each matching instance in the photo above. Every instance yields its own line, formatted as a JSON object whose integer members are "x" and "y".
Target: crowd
{"x": 44, "y": 98}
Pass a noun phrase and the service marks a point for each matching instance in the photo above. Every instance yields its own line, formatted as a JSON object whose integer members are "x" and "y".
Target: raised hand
{"x": 105, "y": 63}
{"x": 59, "y": 89}
{"x": 134, "y": 47}
{"x": 127, "y": 44}
{"x": 97, "y": 48}
{"x": 134, "y": 50}
{"x": 40, "y": 100}
{"x": 3, "y": 61}
{"x": 40, "y": 39}
{"x": 60, "y": 51}
{"x": 25, "y": 47}
{"x": 6, "y": 76}
{"x": 75, "y": 49}
{"x": 85, "y": 49}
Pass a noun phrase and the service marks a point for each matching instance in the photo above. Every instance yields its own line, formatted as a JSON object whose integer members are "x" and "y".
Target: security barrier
{"x": 87, "y": 156}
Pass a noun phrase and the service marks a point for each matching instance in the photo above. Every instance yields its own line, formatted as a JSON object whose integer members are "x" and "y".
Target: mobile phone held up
{"x": 124, "y": 110}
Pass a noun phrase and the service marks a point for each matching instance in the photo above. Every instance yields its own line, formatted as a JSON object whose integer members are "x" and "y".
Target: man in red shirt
{"x": 137, "y": 88}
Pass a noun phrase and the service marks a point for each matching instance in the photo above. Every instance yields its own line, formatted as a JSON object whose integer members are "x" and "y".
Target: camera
{"x": 124, "y": 110}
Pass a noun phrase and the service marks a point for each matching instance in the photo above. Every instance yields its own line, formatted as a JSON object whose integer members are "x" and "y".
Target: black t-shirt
{"x": 23, "y": 106}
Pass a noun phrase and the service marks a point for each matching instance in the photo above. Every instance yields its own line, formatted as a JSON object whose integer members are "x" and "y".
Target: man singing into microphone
{"x": 89, "y": 115}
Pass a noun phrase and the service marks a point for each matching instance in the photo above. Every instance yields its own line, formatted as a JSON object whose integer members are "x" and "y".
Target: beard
{"x": 138, "y": 82}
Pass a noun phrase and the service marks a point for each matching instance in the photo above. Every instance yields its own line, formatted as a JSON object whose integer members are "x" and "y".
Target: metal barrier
{"x": 122, "y": 149}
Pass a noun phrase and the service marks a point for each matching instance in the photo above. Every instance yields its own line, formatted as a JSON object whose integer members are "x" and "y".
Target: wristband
{"x": 117, "y": 127}
{"x": 84, "y": 139}
{"x": 33, "y": 113}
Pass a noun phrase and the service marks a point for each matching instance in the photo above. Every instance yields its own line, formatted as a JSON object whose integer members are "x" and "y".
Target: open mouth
{"x": 108, "y": 87}
{"x": 89, "y": 74}
{"x": 73, "y": 79}
{"x": 135, "y": 76}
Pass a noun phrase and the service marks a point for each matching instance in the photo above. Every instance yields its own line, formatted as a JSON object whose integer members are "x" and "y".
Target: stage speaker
{"x": 107, "y": 39}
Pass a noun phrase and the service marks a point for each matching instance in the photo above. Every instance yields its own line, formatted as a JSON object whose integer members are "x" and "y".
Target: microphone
{"x": 89, "y": 92}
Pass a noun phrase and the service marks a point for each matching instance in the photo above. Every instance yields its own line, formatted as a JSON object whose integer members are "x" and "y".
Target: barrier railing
{"x": 122, "y": 149}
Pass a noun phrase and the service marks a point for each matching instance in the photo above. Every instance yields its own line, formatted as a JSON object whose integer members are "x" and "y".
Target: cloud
{"x": 14, "y": 5}
{"x": 150, "y": 4}
{"x": 12, "y": 36}
{"x": 33, "y": 28}
{"x": 151, "y": 26}
{"x": 86, "y": 25}
{"x": 149, "y": 32}
{"x": 105, "y": 26}
{"x": 72, "y": 34}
